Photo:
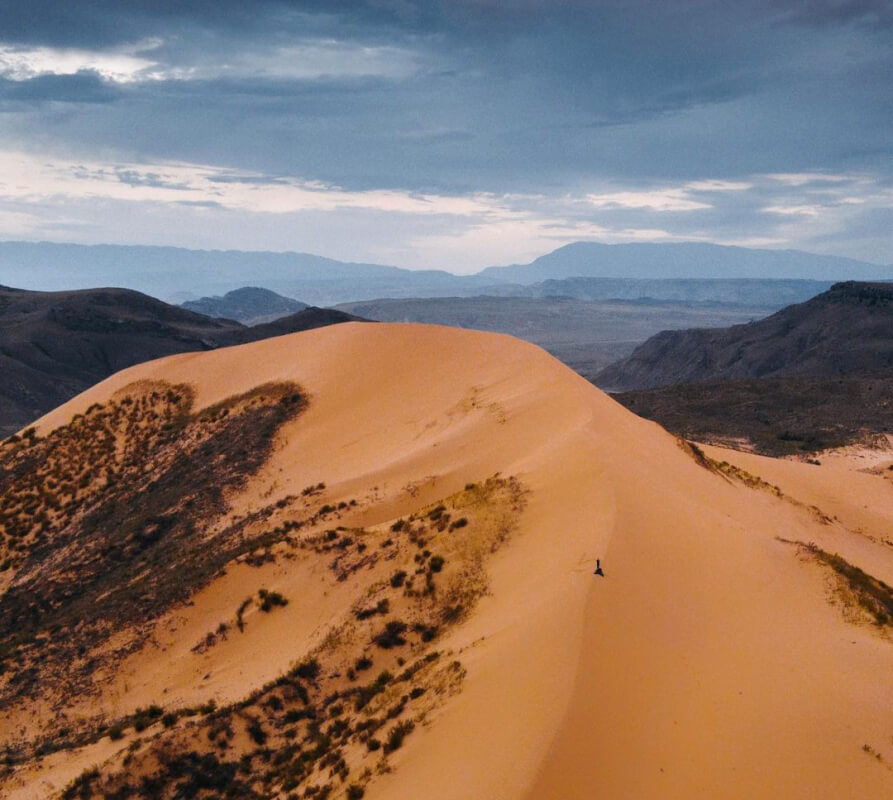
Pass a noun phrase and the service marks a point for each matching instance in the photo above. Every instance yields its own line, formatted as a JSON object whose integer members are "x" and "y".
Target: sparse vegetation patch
{"x": 855, "y": 587}
{"x": 333, "y": 721}
{"x": 118, "y": 495}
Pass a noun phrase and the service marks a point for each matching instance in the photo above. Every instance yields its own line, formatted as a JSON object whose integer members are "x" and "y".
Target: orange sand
{"x": 708, "y": 663}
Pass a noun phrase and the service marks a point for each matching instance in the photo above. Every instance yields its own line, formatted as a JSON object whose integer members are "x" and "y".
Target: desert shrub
{"x": 362, "y": 663}
{"x": 308, "y": 669}
{"x": 398, "y": 708}
{"x": 268, "y": 600}
{"x": 436, "y": 563}
{"x": 426, "y": 632}
{"x": 382, "y": 607}
{"x": 144, "y": 717}
{"x": 459, "y": 523}
{"x": 297, "y": 714}
{"x": 397, "y": 578}
{"x": 355, "y": 792}
{"x": 452, "y": 612}
{"x": 364, "y": 694}
{"x": 197, "y": 774}
{"x": 391, "y": 636}
{"x": 397, "y": 734}
{"x": 409, "y": 672}
{"x": 274, "y": 703}
{"x": 81, "y": 787}
{"x": 256, "y": 731}
{"x": 240, "y": 622}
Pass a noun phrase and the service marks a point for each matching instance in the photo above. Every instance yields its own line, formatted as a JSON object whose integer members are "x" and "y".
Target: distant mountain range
{"x": 179, "y": 274}
{"x": 54, "y": 345}
{"x": 249, "y": 305}
{"x": 683, "y": 260}
{"x": 849, "y": 328}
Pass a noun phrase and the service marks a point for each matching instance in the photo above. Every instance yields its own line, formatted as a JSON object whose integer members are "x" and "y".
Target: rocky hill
{"x": 56, "y": 344}
{"x": 249, "y": 305}
{"x": 783, "y": 416}
{"x": 847, "y": 329}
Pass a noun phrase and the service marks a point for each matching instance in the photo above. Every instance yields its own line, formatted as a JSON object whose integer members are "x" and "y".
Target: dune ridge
{"x": 708, "y": 662}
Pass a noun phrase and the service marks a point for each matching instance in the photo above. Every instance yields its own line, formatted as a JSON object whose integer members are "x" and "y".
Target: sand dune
{"x": 710, "y": 661}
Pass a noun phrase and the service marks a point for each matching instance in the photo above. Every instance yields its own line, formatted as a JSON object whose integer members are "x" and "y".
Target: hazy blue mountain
{"x": 749, "y": 292}
{"x": 249, "y": 305}
{"x": 175, "y": 274}
{"x": 169, "y": 272}
{"x": 403, "y": 284}
{"x": 684, "y": 260}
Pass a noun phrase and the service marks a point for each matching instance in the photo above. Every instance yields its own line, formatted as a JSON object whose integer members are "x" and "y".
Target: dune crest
{"x": 708, "y": 661}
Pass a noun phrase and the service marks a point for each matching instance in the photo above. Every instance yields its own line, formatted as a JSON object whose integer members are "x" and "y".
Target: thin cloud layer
{"x": 473, "y": 132}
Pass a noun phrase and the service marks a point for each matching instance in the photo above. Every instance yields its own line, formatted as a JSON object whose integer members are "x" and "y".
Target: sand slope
{"x": 708, "y": 662}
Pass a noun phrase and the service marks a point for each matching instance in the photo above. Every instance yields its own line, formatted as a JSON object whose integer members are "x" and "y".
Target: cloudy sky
{"x": 448, "y": 133}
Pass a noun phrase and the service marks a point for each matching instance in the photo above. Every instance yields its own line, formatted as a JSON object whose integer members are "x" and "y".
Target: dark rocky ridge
{"x": 53, "y": 345}
{"x": 774, "y": 416}
{"x": 847, "y": 329}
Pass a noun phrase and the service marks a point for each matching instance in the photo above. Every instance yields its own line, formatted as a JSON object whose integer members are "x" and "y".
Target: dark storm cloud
{"x": 92, "y": 23}
{"x": 463, "y": 96}
{"x": 835, "y": 12}
{"x": 81, "y": 87}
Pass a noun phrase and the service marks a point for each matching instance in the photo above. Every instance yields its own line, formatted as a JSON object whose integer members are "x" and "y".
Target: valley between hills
{"x": 358, "y": 561}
